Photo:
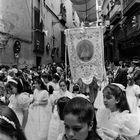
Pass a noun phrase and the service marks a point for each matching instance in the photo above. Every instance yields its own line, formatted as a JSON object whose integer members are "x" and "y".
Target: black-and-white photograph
{"x": 69, "y": 69}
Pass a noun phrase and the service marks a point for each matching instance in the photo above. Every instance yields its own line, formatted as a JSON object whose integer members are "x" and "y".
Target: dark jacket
{"x": 121, "y": 77}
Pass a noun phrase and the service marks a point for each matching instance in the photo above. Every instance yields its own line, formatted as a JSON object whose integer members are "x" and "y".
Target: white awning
{"x": 86, "y": 9}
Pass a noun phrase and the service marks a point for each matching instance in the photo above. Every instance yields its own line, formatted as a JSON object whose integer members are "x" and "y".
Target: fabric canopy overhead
{"x": 86, "y": 10}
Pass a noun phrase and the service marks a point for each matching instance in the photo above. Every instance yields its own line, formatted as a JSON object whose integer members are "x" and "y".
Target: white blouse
{"x": 122, "y": 123}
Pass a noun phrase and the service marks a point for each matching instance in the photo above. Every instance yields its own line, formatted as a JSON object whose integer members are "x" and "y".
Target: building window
{"x": 37, "y": 24}
{"x": 38, "y": 34}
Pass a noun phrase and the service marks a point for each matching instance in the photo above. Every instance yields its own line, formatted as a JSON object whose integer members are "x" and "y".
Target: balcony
{"x": 62, "y": 18}
{"x": 38, "y": 43}
{"x": 115, "y": 14}
{"x": 106, "y": 30}
{"x": 62, "y": 15}
{"x": 115, "y": 18}
{"x": 129, "y": 6}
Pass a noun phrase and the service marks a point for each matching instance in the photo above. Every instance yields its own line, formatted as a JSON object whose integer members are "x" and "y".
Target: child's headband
{"x": 119, "y": 85}
{"x": 12, "y": 80}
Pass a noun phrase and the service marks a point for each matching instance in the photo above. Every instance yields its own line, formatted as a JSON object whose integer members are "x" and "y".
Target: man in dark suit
{"x": 120, "y": 74}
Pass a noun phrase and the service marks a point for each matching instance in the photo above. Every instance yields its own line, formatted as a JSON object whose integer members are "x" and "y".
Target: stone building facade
{"x": 122, "y": 34}
{"x": 38, "y": 26}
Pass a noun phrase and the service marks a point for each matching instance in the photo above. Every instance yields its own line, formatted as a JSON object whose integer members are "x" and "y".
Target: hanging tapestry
{"x": 86, "y": 53}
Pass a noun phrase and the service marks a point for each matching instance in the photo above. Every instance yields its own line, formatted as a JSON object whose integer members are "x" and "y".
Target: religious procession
{"x": 69, "y": 70}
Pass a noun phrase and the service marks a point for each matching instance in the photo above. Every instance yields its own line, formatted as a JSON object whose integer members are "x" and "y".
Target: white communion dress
{"x": 19, "y": 103}
{"x": 39, "y": 117}
{"x": 56, "y": 126}
{"x": 131, "y": 93}
{"x": 58, "y": 94}
{"x": 99, "y": 103}
{"x": 122, "y": 123}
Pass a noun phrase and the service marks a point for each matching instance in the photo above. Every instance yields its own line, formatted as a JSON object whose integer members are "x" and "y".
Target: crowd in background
{"x": 38, "y": 97}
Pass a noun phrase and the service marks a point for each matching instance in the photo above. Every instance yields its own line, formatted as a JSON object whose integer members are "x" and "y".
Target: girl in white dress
{"x": 19, "y": 101}
{"x": 55, "y": 120}
{"x": 55, "y": 82}
{"x": 115, "y": 121}
{"x": 39, "y": 113}
{"x": 132, "y": 94}
{"x": 61, "y": 92}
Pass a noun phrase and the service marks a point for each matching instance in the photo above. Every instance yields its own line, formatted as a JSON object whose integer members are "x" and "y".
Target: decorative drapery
{"x": 86, "y": 10}
{"x": 86, "y": 53}
{"x": 79, "y": 2}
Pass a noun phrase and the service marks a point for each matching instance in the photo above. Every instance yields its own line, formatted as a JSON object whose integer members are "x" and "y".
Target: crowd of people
{"x": 44, "y": 104}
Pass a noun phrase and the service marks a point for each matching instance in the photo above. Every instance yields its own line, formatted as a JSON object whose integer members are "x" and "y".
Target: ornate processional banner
{"x": 86, "y": 53}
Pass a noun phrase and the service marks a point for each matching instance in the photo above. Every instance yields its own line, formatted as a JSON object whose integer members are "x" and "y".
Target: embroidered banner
{"x": 86, "y": 53}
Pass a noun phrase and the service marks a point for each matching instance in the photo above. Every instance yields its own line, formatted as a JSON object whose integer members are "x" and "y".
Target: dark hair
{"x": 50, "y": 89}
{"x": 136, "y": 75}
{"x": 39, "y": 81}
{"x": 16, "y": 85}
{"x": 19, "y": 73}
{"x": 119, "y": 95}
{"x": 63, "y": 80}
{"x": 116, "y": 63}
{"x": 130, "y": 81}
{"x": 83, "y": 109}
{"x": 48, "y": 76}
{"x": 9, "y": 123}
{"x": 76, "y": 88}
{"x": 61, "y": 102}
{"x": 2, "y": 77}
{"x": 66, "y": 83}
{"x": 56, "y": 77}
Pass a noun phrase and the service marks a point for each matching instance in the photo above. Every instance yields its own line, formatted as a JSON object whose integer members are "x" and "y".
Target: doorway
{"x": 38, "y": 61}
